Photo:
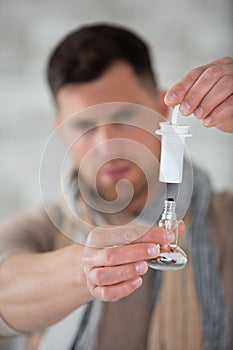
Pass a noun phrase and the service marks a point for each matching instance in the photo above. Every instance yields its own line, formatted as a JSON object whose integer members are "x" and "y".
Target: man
{"x": 60, "y": 291}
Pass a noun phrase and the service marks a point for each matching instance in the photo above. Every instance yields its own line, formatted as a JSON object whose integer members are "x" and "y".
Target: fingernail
{"x": 137, "y": 282}
{"x": 198, "y": 112}
{"x": 207, "y": 121}
{"x": 185, "y": 108}
{"x": 153, "y": 250}
{"x": 141, "y": 267}
{"x": 170, "y": 97}
{"x": 170, "y": 236}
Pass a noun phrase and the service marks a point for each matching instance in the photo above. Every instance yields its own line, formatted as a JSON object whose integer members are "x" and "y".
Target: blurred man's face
{"x": 117, "y": 141}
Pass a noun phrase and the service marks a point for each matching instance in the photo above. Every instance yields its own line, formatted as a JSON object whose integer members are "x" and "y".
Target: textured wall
{"x": 182, "y": 33}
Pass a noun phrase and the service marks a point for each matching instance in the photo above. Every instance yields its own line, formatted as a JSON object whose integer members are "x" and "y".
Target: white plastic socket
{"x": 172, "y": 151}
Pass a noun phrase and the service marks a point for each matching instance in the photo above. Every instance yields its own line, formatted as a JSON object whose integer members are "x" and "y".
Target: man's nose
{"x": 107, "y": 140}
{"x": 106, "y": 132}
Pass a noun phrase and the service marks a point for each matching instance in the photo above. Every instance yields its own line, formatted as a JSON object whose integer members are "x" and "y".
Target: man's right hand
{"x": 115, "y": 257}
{"x": 48, "y": 286}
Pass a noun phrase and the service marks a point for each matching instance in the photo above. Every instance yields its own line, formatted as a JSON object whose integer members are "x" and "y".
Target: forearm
{"x": 38, "y": 290}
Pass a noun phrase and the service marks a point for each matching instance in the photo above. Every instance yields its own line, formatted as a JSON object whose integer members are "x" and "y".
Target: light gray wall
{"x": 183, "y": 34}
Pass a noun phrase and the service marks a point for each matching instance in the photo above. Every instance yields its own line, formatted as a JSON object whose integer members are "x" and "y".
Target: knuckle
{"x": 142, "y": 251}
{"x": 91, "y": 288}
{"x": 215, "y": 72}
{"x": 95, "y": 238}
{"x": 107, "y": 294}
{"x": 126, "y": 272}
{"x": 91, "y": 237}
{"x": 227, "y": 82}
{"x": 86, "y": 262}
{"x": 97, "y": 276}
{"x": 128, "y": 234}
{"x": 108, "y": 255}
{"x": 133, "y": 233}
{"x": 193, "y": 97}
{"x": 223, "y": 112}
{"x": 195, "y": 73}
{"x": 226, "y": 60}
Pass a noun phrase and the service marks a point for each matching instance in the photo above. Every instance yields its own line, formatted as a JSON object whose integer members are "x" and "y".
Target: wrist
{"x": 75, "y": 274}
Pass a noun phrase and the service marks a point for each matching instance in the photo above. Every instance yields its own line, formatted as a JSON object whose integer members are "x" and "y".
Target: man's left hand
{"x": 207, "y": 92}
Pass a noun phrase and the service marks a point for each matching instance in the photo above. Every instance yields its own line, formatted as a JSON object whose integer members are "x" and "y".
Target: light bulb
{"x": 171, "y": 256}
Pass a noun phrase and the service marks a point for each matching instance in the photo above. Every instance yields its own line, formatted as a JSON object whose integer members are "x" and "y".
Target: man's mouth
{"x": 116, "y": 172}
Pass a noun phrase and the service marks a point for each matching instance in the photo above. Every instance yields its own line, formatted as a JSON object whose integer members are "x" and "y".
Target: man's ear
{"x": 164, "y": 109}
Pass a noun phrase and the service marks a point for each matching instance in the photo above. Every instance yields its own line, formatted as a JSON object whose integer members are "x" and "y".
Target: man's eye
{"x": 85, "y": 125}
{"x": 123, "y": 116}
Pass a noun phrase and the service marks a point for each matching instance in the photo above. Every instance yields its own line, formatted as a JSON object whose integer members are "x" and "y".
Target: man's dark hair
{"x": 86, "y": 53}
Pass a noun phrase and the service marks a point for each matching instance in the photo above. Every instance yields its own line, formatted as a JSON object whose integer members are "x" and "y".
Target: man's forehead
{"x": 107, "y": 111}
{"x": 118, "y": 84}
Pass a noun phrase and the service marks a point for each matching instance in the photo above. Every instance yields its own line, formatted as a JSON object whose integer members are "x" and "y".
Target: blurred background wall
{"x": 182, "y": 34}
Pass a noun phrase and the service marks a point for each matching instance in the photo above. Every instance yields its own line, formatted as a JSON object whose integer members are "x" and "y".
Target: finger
{"x": 112, "y": 275}
{"x": 120, "y": 255}
{"x": 109, "y": 236}
{"x": 177, "y": 93}
{"x": 212, "y": 87}
{"x": 158, "y": 235}
{"x": 161, "y": 235}
{"x": 117, "y": 291}
{"x": 221, "y": 116}
{"x": 216, "y": 96}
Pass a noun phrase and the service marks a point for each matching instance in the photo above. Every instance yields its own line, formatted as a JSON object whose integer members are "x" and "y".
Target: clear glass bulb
{"x": 171, "y": 256}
